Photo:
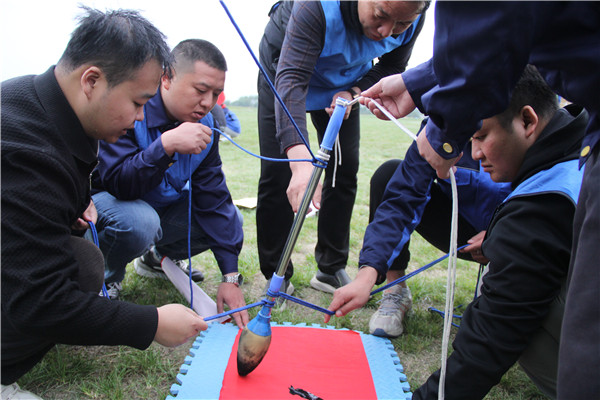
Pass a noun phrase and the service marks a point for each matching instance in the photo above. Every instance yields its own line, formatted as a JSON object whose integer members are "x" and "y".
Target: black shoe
{"x": 328, "y": 283}
{"x": 197, "y": 276}
{"x": 148, "y": 265}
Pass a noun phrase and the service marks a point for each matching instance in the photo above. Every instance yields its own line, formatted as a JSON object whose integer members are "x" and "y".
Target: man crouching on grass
{"x": 518, "y": 313}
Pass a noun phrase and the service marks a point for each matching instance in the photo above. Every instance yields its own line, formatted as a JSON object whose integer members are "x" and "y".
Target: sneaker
{"x": 328, "y": 283}
{"x": 287, "y": 287}
{"x": 387, "y": 320}
{"x": 148, "y": 265}
{"x": 197, "y": 276}
{"x": 14, "y": 392}
{"x": 113, "y": 289}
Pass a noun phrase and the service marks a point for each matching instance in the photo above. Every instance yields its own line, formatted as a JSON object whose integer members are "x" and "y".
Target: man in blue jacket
{"x": 315, "y": 52}
{"x": 147, "y": 177}
{"x": 480, "y": 50}
{"x": 518, "y": 313}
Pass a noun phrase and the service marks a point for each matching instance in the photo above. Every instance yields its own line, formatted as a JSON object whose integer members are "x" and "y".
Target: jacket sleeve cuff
{"x": 155, "y": 154}
{"x": 228, "y": 263}
{"x": 447, "y": 148}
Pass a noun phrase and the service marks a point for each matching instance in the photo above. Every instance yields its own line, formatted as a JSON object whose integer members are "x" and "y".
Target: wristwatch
{"x": 353, "y": 93}
{"x": 236, "y": 279}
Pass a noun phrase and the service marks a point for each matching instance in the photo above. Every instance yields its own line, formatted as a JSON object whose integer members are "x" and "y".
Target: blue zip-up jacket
{"x": 406, "y": 196}
{"x": 528, "y": 243}
{"x": 137, "y": 167}
{"x": 480, "y": 51}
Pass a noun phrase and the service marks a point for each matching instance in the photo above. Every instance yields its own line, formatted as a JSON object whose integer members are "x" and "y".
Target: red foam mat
{"x": 331, "y": 364}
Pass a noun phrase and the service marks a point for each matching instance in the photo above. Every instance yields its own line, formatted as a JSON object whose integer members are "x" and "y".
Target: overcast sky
{"x": 35, "y": 33}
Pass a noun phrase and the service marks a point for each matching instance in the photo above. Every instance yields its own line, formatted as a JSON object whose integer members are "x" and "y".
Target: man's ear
{"x": 529, "y": 120}
{"x": 165, "y": 81}
{"x": 90, "y": 78}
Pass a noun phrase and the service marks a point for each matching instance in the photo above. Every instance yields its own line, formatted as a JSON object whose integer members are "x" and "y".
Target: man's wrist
{"x": 372, "y": 273}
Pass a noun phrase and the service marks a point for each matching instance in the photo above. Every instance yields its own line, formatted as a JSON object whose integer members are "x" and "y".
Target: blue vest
{"x": 565, "y": 178}
{"x": 175, "y": 183}
{"x": 346, "y": 57}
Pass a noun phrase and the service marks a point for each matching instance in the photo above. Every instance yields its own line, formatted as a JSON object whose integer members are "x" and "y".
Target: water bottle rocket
{"x": 256, "y": 336}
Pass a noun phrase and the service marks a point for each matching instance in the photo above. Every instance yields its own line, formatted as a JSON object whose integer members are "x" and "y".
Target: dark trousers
{"x": 579, "y": 358}
{"x": 435, "y": 223}
{"x": 21, "y": 351}
{"x": 274, "y": 215}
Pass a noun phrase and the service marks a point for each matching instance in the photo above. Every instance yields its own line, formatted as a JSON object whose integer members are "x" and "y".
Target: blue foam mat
{"x": 202, "y": 380}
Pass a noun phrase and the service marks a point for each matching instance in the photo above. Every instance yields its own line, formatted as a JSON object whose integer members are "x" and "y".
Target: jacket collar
{"x": 82, "y": 146}
{"x": 559, "y": 141}
{"x": 155, "y": 112}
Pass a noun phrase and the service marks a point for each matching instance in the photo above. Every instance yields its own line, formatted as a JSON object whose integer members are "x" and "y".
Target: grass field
{"x": 72, "y": 372}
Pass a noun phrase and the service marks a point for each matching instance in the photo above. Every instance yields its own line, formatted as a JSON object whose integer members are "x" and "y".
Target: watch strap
{"x": 353, "y": 93}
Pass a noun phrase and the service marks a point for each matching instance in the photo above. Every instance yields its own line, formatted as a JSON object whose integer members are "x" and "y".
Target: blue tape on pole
{"x": 333, "y": 127}
{"x": 276, "y": 282}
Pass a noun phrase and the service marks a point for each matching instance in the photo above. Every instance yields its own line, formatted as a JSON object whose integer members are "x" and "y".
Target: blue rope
{"x": 316, "y": 162}
{"x": 267, "y": 158}
{"x": 226, "y": 313}
{"x": 405, "y": 277}
{"x": 440, "y": 312}
{"x": 97, "y": 243}
{"x": 237, "y": 28}
{"x": 314, "y": 306}
{"x": 189, "y": 235}
{"x": 306, "y": 303}
{"x": 433, "y": 309}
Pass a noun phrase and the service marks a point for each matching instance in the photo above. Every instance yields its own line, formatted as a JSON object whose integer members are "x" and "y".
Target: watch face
{"x": 236, "y": 279}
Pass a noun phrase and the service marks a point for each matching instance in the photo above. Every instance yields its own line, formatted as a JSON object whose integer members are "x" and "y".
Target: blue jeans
{"x": 128, "y": 228}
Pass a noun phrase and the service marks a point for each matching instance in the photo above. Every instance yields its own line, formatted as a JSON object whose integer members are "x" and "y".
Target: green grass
{"x": 97, "y": 372}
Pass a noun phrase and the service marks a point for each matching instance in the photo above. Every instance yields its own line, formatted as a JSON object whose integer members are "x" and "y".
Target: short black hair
{"x": 118, "y": 41}
{"x": 191, "y": 50}
{"x": 424, "y": 6}
{"x": 531, "y": 90}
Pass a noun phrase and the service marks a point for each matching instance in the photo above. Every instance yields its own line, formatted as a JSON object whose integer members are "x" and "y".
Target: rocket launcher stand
{"x": 256, "y": 336}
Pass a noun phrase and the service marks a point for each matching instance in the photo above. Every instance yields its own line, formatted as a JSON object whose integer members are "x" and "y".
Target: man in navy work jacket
{"x": 147, "y": 176}
{"x": 51, "y": 125}
{"x": 518, "y": 313}
{"x": 315, "y": 52}
{"x": 480, "y": 50}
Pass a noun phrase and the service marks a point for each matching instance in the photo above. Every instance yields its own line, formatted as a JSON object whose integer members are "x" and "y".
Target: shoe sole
{"x": 381, "y": 333}
{"x": 323, "y": 287}
{"x": 143, "y": 271}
